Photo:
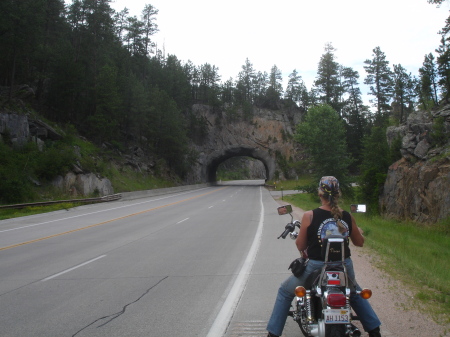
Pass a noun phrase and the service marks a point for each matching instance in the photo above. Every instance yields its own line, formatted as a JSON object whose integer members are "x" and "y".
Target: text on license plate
{"x": 336, "y": 316}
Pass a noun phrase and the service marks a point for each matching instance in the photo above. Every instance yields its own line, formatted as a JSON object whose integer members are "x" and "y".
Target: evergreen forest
{"x": 98, "y": 70}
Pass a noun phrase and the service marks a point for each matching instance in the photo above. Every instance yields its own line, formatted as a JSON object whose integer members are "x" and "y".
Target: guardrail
{"x": 106, "y": 198}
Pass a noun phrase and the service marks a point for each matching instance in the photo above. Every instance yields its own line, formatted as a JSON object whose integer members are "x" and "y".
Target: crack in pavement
{"x": 121, "y": 312}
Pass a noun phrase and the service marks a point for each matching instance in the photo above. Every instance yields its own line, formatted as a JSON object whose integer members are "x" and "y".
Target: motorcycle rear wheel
{"x": 334, "y": 330}
{"x": 301, "y": 321}
{"x": 303, "y": 329}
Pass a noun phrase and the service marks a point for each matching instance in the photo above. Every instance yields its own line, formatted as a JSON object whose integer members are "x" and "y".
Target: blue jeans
{"x": 362, "y": 307}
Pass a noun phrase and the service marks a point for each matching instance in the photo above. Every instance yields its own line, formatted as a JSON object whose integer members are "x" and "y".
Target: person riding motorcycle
{"x": 316, "y": 225}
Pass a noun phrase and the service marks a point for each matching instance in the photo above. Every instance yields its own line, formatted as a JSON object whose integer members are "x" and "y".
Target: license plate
{"x": 336, "y": 316}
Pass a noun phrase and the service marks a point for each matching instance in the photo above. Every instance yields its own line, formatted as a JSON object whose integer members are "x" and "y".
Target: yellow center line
{"x": 105, "y": 222}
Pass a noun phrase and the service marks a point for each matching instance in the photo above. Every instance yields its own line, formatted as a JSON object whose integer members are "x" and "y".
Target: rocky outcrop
{"x": 15, "y": 128}
{"x": 20, "y": 129}
{"x": 417, "y": 186}
{"x": 83, "y": 185}
{"x": 418, "y": 191}
{"x": 266, "y": 136}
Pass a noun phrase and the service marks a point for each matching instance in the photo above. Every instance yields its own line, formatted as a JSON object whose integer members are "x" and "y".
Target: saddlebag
{"x": 298, "y": 266}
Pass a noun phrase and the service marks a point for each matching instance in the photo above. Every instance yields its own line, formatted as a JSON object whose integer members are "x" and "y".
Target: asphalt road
{"x": 198, "y": 263}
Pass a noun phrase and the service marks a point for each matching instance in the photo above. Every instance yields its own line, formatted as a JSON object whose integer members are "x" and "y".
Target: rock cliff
{"x": 417, "y": 186}
{"x": 266, "y": 136}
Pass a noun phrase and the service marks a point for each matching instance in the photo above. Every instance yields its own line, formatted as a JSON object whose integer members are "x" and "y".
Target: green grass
{"x": 291, "y": 184}
{"x": 308, "y": 201}
{"x": 417, "y": 255}
{"x": 128, "y": 180}
{"x": 16, "y": 213}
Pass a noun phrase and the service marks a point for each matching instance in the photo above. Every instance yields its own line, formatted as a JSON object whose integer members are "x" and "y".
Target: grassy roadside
{"x": 415, "y": 254}
{"x": 16, "y": 213}
{"x": 290, "y": 184}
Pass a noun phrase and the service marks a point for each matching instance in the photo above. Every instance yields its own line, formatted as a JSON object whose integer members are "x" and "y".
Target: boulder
{"x": 83, "y": 184}
{"x": 15, "y": 127}
{"x": 88, "y": 184}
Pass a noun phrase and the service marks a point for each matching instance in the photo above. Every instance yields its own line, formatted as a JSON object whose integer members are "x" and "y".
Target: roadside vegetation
{"x": 17, "y": 213}
{"x": 293, "y": 185}
{"x": 26, "y": 173}
{"x": 413, "y": 253}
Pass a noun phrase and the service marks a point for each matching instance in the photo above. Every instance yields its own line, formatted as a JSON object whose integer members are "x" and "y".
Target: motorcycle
{"x": 322, "y": 306}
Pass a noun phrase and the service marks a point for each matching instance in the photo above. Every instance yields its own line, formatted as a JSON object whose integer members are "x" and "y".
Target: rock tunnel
{"x": 216, "y": 158}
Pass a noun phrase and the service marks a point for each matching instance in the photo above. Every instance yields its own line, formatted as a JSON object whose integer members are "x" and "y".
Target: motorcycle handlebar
{"x": 288, "y": 229}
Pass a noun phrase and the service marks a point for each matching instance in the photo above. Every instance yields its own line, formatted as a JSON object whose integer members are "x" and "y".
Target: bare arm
{"x": 356, "y": 236}
{"x": 302, "y": 238}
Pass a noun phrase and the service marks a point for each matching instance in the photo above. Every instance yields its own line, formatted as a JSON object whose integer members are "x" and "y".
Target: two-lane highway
{"x": 164, "y": 266}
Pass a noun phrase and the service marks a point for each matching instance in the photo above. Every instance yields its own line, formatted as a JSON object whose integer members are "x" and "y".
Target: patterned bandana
{"x": 329, "y": 185}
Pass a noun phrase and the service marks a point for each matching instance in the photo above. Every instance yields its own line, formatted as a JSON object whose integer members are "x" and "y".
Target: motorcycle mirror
{"x": 354, "y": 208}
{"x": 286, "y": 209}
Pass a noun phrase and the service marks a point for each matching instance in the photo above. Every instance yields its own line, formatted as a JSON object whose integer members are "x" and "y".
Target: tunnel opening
{"x": 241, "y": 168}
{"x": 220, "y": 157}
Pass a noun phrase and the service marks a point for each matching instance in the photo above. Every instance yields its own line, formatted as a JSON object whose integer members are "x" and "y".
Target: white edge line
{"x": 223, "y": 319}
{"x": 73, "y": 268}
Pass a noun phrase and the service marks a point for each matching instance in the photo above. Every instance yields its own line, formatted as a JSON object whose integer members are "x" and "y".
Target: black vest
{"x": 323, "y": 224}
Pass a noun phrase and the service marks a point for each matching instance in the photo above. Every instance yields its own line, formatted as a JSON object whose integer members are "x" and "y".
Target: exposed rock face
{"x": 418, "y": 192}
{"x": 20, "y": 129}
{"x": 417, "y": 186}
{"x": 83, "y": 184}
{"x": 267, "y": 136}
{"x": 16, "y": 127}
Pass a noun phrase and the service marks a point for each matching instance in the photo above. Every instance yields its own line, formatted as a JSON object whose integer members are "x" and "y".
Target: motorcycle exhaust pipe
{"x": 354, "y": 331}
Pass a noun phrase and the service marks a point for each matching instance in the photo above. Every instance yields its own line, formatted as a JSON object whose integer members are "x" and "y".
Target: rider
{"x": 327, "y": 218}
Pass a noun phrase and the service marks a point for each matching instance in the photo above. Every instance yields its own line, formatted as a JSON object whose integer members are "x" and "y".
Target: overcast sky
{"x": 291, "y": 34}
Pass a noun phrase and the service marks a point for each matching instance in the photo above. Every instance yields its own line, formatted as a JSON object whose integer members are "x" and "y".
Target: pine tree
{"x": 328, "y": 83}
{"x": 209, "y": 84}
{"x": 403, "y": 92}
{"x": 355, "y": 115}
{"x": 260, "y": 85}
{"x": 296, "y": 90}
{"x": 381, "y": 85}
{"x": 134, "y": 37}
{"x": 443, "y": 61}
{"x": 149, "y": 27}
{"x": 275, "y": 90}
{"x": 428, "y": 81}
{"x": 120, "y": 22}
{"x": 351, "y": 87}
{"x": 244, "y": 85}
{"x": 374, "y": 167}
